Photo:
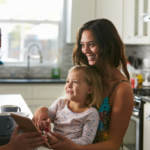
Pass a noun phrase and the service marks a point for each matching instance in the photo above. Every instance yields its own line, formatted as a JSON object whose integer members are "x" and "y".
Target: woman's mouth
{"x": 91, "y": 57}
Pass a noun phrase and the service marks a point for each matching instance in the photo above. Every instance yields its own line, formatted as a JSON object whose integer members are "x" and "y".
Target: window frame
{"x": 32, "y": 21}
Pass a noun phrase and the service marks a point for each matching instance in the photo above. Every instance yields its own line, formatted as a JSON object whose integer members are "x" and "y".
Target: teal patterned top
{"x": 104, "y": 112}
{"x": 104, "y": 115}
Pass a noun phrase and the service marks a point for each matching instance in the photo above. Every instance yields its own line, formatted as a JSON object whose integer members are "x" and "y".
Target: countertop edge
{"x": 34, "y": 81}
{"x": 146, "y": 98}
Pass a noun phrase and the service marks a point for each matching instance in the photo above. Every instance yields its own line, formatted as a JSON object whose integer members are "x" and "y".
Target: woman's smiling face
{"x": 89, "y": 47}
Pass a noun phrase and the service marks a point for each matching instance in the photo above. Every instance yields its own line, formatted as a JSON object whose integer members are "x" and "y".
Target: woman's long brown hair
{"x": 112, "y": 49}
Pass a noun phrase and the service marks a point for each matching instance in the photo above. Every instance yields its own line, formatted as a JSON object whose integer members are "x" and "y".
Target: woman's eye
{"x": 82, "y": 45}
{"x": 92, "y": 44}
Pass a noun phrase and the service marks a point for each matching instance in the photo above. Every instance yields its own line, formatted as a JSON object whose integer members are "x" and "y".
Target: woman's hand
{"x": 59, "y": 142}
{"x": 25, "y": 141}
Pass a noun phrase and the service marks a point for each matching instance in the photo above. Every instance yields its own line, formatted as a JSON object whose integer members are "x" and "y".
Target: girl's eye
{"x": 75, "y": 81}
{"x": 67, "y": 81}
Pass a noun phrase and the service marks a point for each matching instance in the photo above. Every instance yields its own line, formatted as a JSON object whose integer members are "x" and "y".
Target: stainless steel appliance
{"x": 133, "y": 139}
{"x": 146, "y": 125}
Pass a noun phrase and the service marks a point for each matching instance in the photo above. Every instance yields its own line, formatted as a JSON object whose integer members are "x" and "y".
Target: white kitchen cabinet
{"x": 78, "y": 12}
{"x": 146, "y": 128}
{"x": 35, "y": 95}
{"x": 135, "y": 30}
{"x": 126, "y": 15}
{"x": 81, "y": 11}
{"x": 112, "y": 10}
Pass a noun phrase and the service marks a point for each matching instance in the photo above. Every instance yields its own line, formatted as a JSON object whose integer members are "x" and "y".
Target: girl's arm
{"x": 89, "y": 129}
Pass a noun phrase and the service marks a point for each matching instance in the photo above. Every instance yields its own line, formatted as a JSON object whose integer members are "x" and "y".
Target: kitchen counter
{"x": 49, "y": 81}
{"x": 146, "y": 98}
{"x": 8, "y": 127}
{"x": 15, "y": 99}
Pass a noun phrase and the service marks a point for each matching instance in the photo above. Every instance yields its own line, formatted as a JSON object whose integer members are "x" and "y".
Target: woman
{"x": 99, "y": 45}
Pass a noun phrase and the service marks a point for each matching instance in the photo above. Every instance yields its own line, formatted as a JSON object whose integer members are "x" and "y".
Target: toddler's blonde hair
{"x": 93, "y": 79}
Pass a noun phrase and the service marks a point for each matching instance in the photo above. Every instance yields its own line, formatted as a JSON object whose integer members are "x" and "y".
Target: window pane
{"x": 30, "y": 27}
{"x": 22, "y": 39}
{"x": 31, "y": 9}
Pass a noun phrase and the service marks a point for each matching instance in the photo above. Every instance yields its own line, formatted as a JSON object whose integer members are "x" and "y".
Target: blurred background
{"x": 36, "y": 43}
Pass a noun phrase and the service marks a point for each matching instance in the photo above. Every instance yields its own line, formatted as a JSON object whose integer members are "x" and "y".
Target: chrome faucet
{"x": 33, "y": 47}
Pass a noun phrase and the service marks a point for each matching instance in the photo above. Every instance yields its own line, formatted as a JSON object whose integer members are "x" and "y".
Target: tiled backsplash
{"x": 21, "y": 72}
{"x": 43, "y": 72}
{"x": 66, "y": 59}
{"x": 141, "y": 51}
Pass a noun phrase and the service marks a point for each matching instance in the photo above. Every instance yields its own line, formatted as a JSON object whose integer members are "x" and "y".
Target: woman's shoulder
{"x": 124, "y": 87}
{"x": 119, "y": 85}
{"x": 123, "y": 93}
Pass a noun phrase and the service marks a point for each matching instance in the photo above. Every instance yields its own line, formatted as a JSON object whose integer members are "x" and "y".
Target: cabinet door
{"x": 24, "y": 89}
{"x": 112, "y": 10}
{"x": 35, "y": 95}
{"x": 146, "y": 134}
{"x": 136, "y": 31}
{"x": 78, "y": 12}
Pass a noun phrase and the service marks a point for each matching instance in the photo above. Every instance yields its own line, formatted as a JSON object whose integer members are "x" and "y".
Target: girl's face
{"x": 76, "y": 87}
{"x": 89, "y": 47}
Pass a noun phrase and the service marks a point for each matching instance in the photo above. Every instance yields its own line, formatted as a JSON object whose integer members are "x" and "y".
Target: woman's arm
{"x": 122, "y": 106}
{"x": 5, "y": 147}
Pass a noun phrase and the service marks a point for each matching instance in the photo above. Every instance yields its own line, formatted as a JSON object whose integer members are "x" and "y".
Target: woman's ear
{"x": 90, "y": 91}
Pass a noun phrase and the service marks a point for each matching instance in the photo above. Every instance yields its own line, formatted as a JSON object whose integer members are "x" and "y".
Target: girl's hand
{"x": 41, "y": 119}
{"x": 38, "y": 115}
{"x": 59, "y": 142}
{"x": 44, "y": 125}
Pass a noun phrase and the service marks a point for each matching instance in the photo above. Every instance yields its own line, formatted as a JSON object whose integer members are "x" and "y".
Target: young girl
{"x": 75, "y": 116}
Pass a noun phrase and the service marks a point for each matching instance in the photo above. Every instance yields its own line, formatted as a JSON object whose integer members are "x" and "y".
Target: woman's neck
{"x": 110, "y": 75}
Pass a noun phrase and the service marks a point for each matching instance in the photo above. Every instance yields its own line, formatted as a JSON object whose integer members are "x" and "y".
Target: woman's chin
{"x": 92, "y": 63}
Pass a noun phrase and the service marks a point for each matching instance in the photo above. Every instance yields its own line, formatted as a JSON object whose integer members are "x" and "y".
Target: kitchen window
{"x": 30, "y": 29}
